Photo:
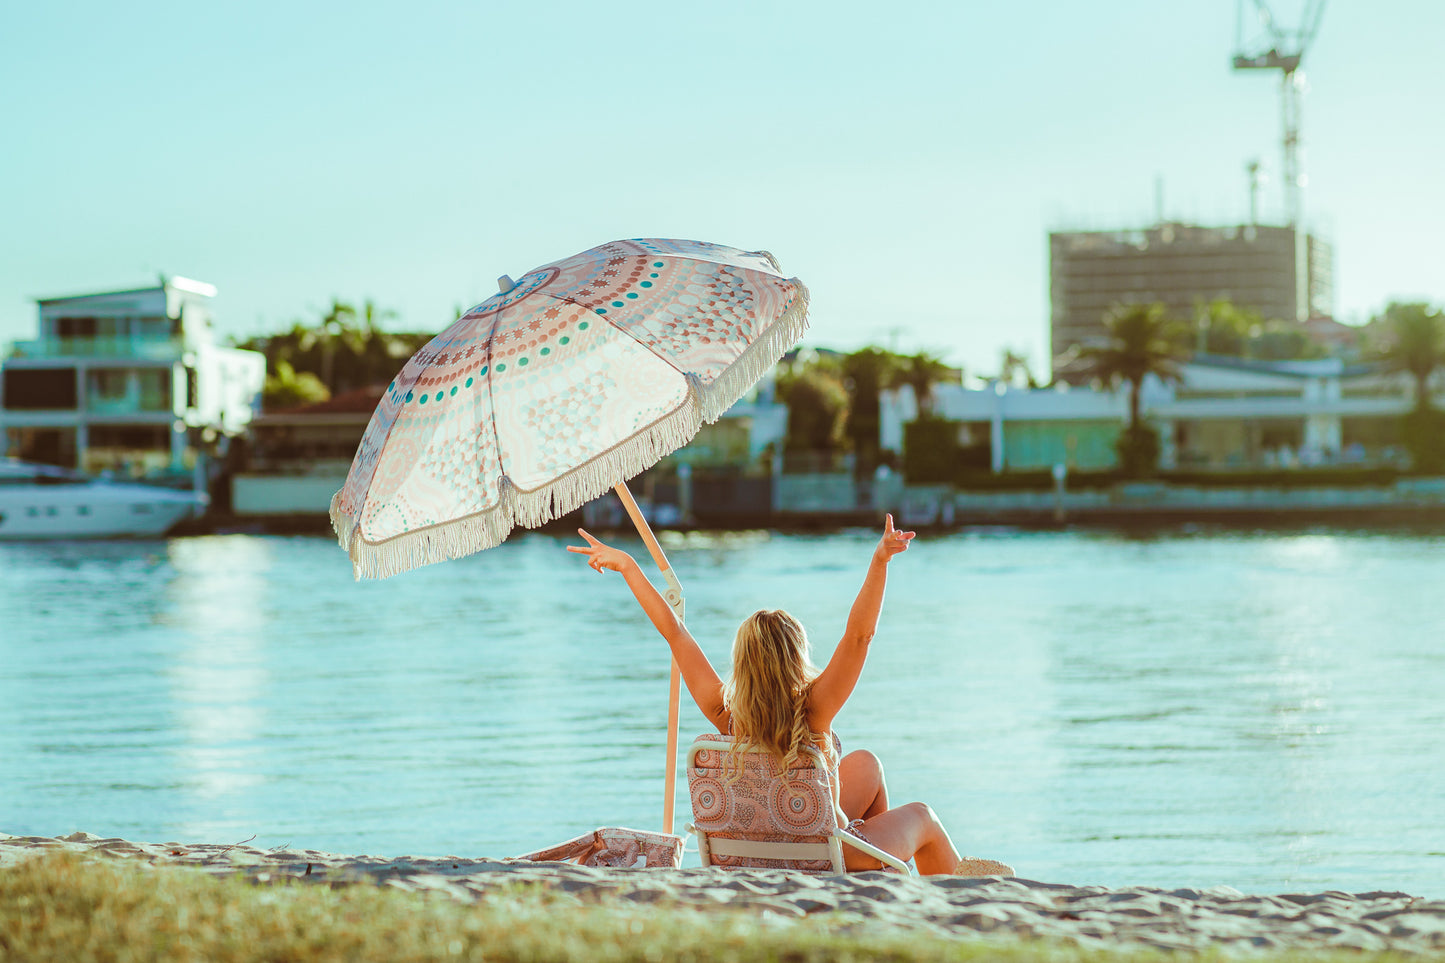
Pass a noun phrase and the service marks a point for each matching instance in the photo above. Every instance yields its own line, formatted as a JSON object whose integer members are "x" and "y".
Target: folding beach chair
{"x": 759, "y": 819}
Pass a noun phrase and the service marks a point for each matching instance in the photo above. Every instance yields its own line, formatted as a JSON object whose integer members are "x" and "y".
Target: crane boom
{"x": 1286, "y": 52}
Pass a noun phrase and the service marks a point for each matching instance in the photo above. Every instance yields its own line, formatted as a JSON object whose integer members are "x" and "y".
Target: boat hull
{"x": 92, "y": 509}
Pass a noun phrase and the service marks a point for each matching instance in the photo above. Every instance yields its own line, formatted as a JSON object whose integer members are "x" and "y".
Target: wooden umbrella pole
{"x": 673, "y": 594}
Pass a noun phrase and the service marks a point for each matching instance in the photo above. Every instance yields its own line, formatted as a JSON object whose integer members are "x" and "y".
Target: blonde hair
{"x": 767, "y": 691}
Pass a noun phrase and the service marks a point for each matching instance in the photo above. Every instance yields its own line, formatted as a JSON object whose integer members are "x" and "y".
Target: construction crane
{"x": 1286, "y": 51}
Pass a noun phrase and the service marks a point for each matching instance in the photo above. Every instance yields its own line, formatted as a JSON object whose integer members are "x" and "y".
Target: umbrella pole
{"x": 673, "y": 594}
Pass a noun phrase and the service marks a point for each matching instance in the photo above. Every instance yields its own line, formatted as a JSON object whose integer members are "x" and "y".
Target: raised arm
{"x": 835, "y": 683}
{"x": 702, "y": 679}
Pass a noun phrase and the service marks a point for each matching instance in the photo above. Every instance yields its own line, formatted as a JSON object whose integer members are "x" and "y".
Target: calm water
{"x": 1262, "y": 710}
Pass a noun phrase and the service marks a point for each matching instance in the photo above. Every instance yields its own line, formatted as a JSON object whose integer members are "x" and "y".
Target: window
{"x": 155, "y": 389}
{"x": 40, "y": 389}
{"x": 75, "y": 327}
{"x": 49, "y": 446}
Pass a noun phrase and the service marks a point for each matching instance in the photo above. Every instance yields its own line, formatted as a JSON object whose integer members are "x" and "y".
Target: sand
{"x": 988, "y": 908}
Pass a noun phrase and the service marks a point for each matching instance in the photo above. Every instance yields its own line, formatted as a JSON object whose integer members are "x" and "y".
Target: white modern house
{"x": 129, "y": 382}
{"x": 1225, "y": 413}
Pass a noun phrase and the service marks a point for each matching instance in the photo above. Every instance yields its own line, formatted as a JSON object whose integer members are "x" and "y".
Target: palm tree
{"x": 1013, "y": 363}
{"x": 865, "y": 372}
{"x": 1143, "y": 341}
{"x": 1413, "y": 342}
{"x": 1411, "y": 339}
{"x": 921, "y": 372}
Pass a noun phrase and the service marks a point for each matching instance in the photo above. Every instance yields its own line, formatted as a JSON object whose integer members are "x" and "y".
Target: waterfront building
{"x": 128, "y": 382}
{"x": 1225, "y": 414}
{"x": 297, "y": 458}
{"x": 1179, "y": 266}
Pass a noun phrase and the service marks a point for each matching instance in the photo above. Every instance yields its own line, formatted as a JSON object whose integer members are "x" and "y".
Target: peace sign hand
{"x": 892, "y": 541}
{"x": 600, "y": 556}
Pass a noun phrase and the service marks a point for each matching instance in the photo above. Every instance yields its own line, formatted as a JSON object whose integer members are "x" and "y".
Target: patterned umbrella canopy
{"x": 574, "y": 378}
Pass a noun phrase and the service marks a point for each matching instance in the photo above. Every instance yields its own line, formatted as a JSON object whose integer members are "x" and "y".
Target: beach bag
{"x": 617, "y": 847}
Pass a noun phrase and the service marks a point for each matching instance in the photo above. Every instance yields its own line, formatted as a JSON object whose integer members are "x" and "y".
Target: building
{"x": 1180, "y": 266}
{"x": 129, "y": 382}
{"x": 1225, "y": 414}
{"x": 298, "y": 458}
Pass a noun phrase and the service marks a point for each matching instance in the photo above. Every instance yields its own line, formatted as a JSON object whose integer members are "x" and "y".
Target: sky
{"x": 906, "y": 161}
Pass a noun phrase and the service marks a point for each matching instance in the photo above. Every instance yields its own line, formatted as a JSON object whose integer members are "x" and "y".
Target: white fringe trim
{"x": 466, "y": 536}
{"x": 757, "y": 358}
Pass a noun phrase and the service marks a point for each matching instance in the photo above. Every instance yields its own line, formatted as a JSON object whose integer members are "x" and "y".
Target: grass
{"x": 63, "y": 908}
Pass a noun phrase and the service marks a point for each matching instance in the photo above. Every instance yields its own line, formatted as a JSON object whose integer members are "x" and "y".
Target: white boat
{"x": 42, "y": 501}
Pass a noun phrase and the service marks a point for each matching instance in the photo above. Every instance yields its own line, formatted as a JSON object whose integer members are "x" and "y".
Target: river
{"x": 1257, "y": 709}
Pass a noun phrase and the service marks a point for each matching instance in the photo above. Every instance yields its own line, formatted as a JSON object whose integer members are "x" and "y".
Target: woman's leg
{"x": 912, "y": 832}
{"x": 862, "y": 791}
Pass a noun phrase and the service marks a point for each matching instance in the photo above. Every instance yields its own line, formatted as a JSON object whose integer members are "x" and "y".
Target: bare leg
{"x": 862, "y": 790}
{"x": 912, "y": 832}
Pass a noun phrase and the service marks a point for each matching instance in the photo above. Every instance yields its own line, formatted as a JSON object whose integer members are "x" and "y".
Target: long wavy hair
{"x": 767, "y": 690}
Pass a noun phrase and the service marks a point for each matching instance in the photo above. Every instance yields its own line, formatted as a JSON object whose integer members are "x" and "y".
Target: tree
{"x": 1013, "y": 364}
{"x": 1283, "y": 341}
{"x": 285, "y": 388}
{"x": 1143, "y": 341}
{"x": 920, "y": 372}
{"x": 1226, "y": 328}
{"x": 865, "y": 373}
{"x": 817, "y": 405}
{"x": 1410, "y": 338}
{"x": 344, "y": 349}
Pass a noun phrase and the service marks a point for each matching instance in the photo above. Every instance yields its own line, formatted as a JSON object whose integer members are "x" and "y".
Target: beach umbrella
{"x": 564, "y": 384}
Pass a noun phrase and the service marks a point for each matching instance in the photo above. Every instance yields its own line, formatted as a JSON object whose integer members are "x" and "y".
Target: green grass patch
{"x": 63, "y": 908}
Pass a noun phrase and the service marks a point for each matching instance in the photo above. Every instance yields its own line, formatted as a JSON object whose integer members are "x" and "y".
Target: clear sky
{"x": 906, "y": 160}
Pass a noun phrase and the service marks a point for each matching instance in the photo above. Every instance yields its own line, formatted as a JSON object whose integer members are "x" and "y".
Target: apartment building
{"x": 129, "y": 382}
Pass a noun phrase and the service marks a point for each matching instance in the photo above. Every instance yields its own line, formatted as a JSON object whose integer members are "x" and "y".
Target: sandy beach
{"x": 990, "y": 908}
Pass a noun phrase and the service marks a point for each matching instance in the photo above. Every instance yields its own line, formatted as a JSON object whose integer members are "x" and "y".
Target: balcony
{"x": 143, "y": 349}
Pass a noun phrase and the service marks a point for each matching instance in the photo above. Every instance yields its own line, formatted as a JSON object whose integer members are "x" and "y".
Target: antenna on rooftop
{"x": 1286, "y": 51}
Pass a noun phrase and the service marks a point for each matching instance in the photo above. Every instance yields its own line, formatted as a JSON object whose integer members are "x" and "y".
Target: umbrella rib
{"x": 492, "y": 401}
{"x": 619, "y": 329}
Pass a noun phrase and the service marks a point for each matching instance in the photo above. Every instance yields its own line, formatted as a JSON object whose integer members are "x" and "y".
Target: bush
{"x": 1138, "y": 449}
{"x": 1423, "y": 431}
{"x": 930, "y": 450}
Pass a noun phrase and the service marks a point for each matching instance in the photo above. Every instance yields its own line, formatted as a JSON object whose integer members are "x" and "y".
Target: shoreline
{"x": 1090, "y": 917}
{"x": 1429, "y": 519}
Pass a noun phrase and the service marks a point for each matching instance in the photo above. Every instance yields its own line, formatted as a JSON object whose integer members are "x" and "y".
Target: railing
{"x": 151, "y": 349}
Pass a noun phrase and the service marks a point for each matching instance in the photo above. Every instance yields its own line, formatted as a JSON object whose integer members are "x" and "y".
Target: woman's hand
{"x": 601, "y": 556}
{"x": 892, "y": 541}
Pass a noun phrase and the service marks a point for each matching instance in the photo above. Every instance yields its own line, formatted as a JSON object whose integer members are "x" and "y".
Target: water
{"x": 1262, "y": 710}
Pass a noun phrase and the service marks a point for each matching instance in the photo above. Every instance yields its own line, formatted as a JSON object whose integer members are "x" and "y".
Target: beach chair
{"x": 762, "y": 820}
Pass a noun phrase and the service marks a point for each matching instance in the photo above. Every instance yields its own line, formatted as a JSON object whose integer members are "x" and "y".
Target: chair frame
{"x": 832, "y": 850}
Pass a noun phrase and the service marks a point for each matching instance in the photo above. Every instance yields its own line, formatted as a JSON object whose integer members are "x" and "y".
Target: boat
{"x": 42, "y": 501}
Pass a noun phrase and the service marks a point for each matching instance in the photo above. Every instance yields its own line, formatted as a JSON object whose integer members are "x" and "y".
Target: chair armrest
{"x": 887, "y": 859}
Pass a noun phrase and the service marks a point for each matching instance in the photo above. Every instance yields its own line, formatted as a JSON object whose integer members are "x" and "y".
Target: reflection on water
{"x": 1188, "y": 709}
{"x": 218, "y": 681}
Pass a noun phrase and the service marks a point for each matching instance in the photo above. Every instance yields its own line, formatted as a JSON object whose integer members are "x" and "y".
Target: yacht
{"x": 42, "y": 501}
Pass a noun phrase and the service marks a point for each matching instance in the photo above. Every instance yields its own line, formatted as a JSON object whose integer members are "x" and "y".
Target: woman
{"x": 774, "y": 698}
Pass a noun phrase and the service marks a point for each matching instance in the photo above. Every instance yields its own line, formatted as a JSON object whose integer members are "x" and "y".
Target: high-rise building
{"x": 1180, "y": 266}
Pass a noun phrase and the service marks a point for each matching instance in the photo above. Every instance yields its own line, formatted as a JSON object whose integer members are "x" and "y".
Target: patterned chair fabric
{"x": 615, "y": 846}
{"x": 757, "y": 803}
